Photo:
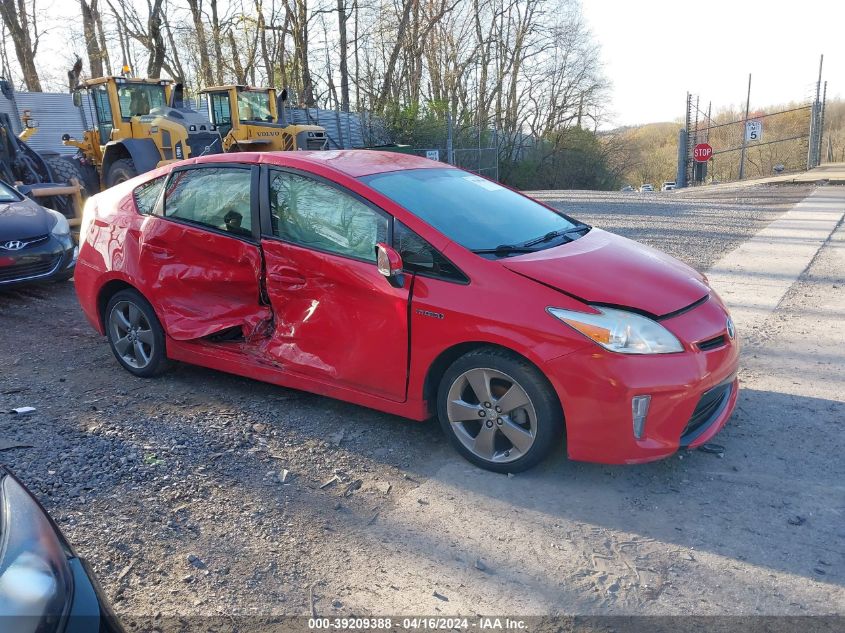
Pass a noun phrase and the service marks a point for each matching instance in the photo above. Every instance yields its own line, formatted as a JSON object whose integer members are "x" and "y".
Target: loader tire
{"x": 62, "y": 171}
{"x": 120, "y": 171}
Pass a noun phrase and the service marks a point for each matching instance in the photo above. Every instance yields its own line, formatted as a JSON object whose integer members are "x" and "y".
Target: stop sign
{"x": 702, "y": 152}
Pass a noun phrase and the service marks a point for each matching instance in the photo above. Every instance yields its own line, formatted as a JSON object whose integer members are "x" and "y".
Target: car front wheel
{"x": 135, "y": 334}
{"x": 498, "y": 410}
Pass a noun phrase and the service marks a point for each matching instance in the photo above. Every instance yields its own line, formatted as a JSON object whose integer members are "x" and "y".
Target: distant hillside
{"x": 649, "y": 153}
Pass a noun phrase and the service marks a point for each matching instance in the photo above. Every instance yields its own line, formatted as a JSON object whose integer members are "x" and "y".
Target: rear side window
{"x": 214, "y": 197}
{"x": 418, "y": 256}
{"x": 315, "y": 215}
{"x": 147, "y": 195}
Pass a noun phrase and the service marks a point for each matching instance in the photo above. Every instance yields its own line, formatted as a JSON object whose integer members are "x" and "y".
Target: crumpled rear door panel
{"x": 200, "y": 282}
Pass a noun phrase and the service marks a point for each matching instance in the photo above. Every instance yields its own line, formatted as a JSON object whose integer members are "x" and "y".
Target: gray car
{"x": 35, "y": 243}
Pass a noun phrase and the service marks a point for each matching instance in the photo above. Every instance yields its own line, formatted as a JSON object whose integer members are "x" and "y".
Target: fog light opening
{"x": 639, "y": 411}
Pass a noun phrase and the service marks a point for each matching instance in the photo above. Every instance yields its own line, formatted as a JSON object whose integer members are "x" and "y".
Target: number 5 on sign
{"x": 753, "y": 131}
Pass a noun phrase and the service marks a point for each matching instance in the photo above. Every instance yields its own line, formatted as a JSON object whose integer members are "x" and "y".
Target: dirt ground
{"x": 200, "y": 494}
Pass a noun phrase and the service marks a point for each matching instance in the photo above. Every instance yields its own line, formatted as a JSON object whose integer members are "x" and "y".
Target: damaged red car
{"x": 414, "y": 288}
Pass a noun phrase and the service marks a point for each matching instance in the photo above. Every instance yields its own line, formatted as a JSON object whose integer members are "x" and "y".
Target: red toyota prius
{"x": 415, "y": 288}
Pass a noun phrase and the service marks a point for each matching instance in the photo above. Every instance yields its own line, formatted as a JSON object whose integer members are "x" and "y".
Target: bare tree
{"x": 206, "y": 75}
{"x": 342, "y": 17}
{"x": 21, "y": 22}
{"x": 92, "y": 41}
{"x": 299, "y": 22}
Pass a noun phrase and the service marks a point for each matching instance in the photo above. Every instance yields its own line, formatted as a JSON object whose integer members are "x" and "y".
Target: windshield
{"x": 7, "y": 194}
{"x": 470, "y": 210}
{"x": 139, "y": 99}
{"x": 254, "y": 106}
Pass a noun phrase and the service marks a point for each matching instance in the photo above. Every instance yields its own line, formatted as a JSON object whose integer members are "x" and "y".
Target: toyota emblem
{"x": 730, "y": 326}
{"x": 14, "y": 245}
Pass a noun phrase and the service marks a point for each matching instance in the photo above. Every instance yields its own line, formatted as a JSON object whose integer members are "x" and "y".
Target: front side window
{"x": 219, "y": 110}
{"x": 418, "y": 256}
{"x": 139, "y": 99}
{"x": 102, "y": 107}
{"x": 146, "y": 195}
{"x": 214, "y": 197}
{"x": 468, "y": 209}
{"x": 313, "y": 214}
{"x": 254, "y": 106}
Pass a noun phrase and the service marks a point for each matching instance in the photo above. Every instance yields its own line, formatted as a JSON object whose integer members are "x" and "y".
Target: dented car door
{"x": 336, "y": 318}
{"x": 200, "y": 255}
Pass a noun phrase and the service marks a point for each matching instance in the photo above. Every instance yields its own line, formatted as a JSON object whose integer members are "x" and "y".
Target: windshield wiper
{"x": 503, "y": 249}
{"x": 553, "y": 234}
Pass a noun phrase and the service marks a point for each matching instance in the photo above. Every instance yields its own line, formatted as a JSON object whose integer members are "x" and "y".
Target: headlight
{"x": 36, "y": 583}
{"x": 621, "y": 331}
{"x": 61, "y": 228}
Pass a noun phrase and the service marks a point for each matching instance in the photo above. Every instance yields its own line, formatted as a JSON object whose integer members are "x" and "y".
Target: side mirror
{"x": 422, "y": 260}
{"x": 177, "y": 96}
{"x": 77, "y": 99}
{"x": 390, "y": 264}
{"x": 281, "y": 115}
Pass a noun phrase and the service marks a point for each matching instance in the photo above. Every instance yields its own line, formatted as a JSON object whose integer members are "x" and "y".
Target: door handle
{"x": 287, "y": 279}
{"x": 161, "y": 251}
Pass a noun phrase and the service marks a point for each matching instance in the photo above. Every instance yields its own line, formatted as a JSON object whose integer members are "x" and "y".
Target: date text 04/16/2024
{"x": 417, "y": 623}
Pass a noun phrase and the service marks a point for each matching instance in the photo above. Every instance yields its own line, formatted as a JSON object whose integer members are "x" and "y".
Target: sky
{"x": 655, "y": 51}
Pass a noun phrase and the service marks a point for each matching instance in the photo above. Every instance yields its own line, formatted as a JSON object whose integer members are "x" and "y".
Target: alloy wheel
{"x": 131, "y": 334}
{"x": 491, "y": 415}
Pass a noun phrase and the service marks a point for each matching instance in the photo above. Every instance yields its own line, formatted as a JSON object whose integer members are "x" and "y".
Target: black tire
{"x": 154, "y": 344}
{"x": 120, "y": 171}
{"x": 62, "y": 170}
{"x": 546, "y": 426}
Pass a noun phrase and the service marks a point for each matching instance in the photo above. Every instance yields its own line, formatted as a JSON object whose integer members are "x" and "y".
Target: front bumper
{"x": 48, "y": 259}
{"x": 596, "y": 387}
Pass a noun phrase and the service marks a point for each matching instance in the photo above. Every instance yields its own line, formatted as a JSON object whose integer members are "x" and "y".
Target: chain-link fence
{"x": 749, "y": 143}
{"x": 469, "y": 147}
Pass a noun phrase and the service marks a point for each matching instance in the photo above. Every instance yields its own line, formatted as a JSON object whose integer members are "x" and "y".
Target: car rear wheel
{"x": 135, "y": 334}
{"x": 498, "y": 410}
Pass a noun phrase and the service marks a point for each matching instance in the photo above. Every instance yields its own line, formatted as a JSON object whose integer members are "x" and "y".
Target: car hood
{"x": 604, "y": 268}
{"x": 23, "y": 220}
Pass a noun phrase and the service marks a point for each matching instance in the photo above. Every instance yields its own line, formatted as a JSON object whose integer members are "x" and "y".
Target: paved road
{"x": 143, "y": 474}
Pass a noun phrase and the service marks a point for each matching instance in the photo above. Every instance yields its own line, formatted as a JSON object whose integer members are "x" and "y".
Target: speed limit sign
{"x": 753, "y": 131}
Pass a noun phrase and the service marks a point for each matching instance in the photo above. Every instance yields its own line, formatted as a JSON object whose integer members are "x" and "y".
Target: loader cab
{"x": 243, "y": 105}
{"x": 252, "y": 119}
{"x": 116, "y": 100}
{"x": 140, "y": 124}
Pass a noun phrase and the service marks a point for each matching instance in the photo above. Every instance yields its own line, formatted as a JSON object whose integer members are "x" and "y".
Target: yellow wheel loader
{"x": 140, "y": 124}
{"x": 253, "y": 120}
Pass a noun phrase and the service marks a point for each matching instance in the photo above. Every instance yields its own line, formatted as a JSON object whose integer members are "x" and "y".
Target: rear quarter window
{"x": 146, "y": 195}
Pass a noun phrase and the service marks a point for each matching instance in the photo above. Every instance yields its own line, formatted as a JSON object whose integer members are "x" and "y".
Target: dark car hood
{"x": 605, "y": 268}
{"x": 23, "y": 220}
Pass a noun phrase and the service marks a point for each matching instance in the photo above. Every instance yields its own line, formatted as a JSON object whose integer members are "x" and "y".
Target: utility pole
{"x": 814, "y": 121}
{"x": 450, "y": 154}
{"x": 744, "y": 127}
{"x": 821, "y": 126}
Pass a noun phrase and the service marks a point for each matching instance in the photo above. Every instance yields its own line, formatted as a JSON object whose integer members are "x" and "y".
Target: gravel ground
{"x": 696, "y": 225}
{"x": 200, "y": 493}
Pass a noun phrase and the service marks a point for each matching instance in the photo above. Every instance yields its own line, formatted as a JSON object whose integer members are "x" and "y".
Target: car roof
{"x": 352, "y": 162}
